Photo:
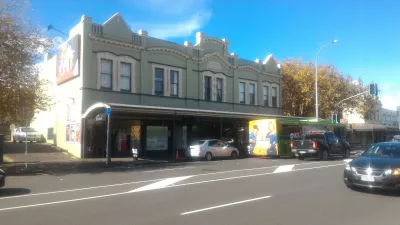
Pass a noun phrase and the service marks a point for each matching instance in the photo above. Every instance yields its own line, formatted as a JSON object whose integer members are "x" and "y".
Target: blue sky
{"x": 368, "y": 31}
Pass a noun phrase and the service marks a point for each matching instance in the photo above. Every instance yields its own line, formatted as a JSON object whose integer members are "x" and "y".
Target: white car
{"x": 212, "y": 148}
{"x": 26, "y": 133}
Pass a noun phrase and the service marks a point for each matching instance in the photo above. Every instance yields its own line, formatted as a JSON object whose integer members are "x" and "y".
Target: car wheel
{"x": 347, "y": 154}
{"x": 234, "y": 155}
{"x": 324, "y": 155}
{"x": 208, "y": 156}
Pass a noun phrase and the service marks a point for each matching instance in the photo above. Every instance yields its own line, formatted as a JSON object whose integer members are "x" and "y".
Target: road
{"x": 246, "y": 191}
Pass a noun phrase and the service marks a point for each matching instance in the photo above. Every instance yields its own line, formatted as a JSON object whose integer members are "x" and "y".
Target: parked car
{"x": 321, "y": 145}
{"x": 378, "y": 167}
{"x": 27, "y": 133}
{"x": 2, "y": 178}
{"x": 212, "y": 148}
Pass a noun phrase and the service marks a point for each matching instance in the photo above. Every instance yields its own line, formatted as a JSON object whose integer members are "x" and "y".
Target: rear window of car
{"x": 314, "y": 137}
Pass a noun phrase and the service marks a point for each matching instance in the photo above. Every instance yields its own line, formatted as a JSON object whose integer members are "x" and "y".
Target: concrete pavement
{"x": 247, "y": 191}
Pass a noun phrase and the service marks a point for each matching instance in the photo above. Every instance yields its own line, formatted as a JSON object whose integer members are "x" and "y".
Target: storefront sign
{"x": 68, "y": 60}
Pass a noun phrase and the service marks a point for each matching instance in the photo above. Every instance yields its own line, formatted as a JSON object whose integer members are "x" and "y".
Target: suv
{"x": 321, "y": 145}
{"x": 26, "y": 133}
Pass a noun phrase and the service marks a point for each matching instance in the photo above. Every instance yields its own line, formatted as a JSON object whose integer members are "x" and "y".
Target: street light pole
{"x": 316, "y": 77}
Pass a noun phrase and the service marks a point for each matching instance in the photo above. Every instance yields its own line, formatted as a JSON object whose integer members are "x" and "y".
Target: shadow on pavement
{"x": 388, "y": 193}
{"x": 8, "y": 192}
{"x": 19, "y": 148}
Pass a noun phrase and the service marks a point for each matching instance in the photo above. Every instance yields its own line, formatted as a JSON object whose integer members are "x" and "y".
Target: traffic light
{"x": 334, "y": 118}
{"x": 373, "y": 89}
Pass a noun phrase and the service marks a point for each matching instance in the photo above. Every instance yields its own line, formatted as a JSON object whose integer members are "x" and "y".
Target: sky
{"x": 368, "y": 32}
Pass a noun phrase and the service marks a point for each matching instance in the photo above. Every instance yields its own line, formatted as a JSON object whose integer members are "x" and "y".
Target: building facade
{"x": 155, "y": 90}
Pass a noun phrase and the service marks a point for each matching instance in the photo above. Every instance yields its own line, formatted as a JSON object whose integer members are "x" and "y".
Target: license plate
{"x": 367, "y": 178}
{"x": 302, "y": 152}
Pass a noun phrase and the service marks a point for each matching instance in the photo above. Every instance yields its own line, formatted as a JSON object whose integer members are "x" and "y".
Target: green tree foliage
{"x": 21, "y": 49}
{"x": 333, "y": 86}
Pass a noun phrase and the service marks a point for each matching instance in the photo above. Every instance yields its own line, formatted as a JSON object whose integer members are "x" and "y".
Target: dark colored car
{"x": 378, "y": 167}
{"x": 321, "y": 145}
{"x": 2, "y": 178}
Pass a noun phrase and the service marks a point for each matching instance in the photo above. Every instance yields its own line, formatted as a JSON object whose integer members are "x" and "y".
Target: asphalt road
{"x": 247, "y": 191}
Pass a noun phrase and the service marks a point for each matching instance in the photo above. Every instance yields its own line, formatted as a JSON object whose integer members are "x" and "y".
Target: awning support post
{"x": 108, "y": 155}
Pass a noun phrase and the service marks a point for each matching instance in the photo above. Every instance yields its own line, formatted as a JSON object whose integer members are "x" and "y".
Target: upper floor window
{"x": 125, "y": 77}
{"x": 252, "y": 94}
{"x": 274, "y": 95}
{"x": 207, "y": 88}
{"x": 106, "y": 74}
{"x": 220, "y": 92}
{"x": 159, "y": 81}
{"x": 265, "y": 95}
{"x": 242, "y": 93}
{"x": 174, "y": 83}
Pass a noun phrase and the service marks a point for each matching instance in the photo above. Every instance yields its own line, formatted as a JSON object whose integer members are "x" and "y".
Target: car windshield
{"x": 386, "y": 151}
{"x": 198, "y": 142}
{"x": 27, "y": 129}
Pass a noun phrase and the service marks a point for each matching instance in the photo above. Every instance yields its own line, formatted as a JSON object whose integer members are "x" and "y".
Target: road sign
{"x": 108, "y": 111}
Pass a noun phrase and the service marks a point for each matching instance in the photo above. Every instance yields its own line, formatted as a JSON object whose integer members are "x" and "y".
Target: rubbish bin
{"x": 1, "y": 147}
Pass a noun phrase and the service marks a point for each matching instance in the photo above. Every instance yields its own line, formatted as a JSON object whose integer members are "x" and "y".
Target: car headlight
{"x": 348, "y": 168}
{"x": 388, "y": 172}
{"x": 395, "y": 172}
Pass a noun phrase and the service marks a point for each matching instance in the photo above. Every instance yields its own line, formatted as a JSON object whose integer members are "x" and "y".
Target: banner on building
{"x": 68, "y": 57}
{"x": 73, "y": 133}
{"x": 262, "y": 137}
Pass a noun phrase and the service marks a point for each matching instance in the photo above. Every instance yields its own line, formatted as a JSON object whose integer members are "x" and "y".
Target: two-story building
{"x": 131, "y": 90}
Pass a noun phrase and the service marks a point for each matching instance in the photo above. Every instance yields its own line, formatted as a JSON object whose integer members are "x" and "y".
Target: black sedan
{"x": 378, "y": 167}
{"x": 2, "y": 178}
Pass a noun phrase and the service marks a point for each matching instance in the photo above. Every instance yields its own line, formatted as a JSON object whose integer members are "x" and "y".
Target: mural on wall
{"x": 68, "y": 60}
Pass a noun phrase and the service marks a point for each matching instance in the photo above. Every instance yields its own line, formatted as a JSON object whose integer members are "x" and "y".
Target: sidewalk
{"x": 47, "y": 159}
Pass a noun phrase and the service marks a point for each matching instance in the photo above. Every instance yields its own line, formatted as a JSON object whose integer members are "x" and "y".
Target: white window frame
{"x": 132, "y": 61}
{"x": 245, "y": 95}
{"x": 114, "y": 59}
{"x": 277, "y": 95}
{"x": 268, "y": 90}
{"x": 167, "y": 83}
{"x": 247, "y": 91}
{"x": 214, "y": 77}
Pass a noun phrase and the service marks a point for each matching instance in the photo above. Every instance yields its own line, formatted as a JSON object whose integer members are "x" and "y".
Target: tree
{"x": 21, "y": 48}
{"x": 333, "y": 86}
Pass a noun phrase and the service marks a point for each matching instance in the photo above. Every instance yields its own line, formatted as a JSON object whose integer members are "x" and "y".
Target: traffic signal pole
{"x": 337, "y": 104}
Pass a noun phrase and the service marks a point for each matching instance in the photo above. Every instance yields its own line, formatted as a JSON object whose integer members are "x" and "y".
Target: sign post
{"x": 108, "y": 155}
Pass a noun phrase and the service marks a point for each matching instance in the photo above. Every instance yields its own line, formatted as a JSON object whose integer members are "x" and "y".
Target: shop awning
{"x": 115, "y": 107}
{"x": 369, "y": 127}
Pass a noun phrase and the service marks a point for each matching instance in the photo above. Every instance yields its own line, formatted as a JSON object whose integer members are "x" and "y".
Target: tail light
{"x": 291, "y": 144}
{"x": 314, "y": 145}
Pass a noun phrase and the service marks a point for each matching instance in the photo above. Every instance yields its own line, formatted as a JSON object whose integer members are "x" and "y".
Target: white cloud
{"x": 390, "y": 101}
{"x": 179, "y": 18}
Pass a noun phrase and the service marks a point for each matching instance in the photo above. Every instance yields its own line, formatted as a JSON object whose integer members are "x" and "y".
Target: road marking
{"x": 160, "y": 184}
{"x": 247, "y": 176}
{"x": 59, "y": 202}
{"x": 283, "y": 169}
{"x": 143, "y": 181}
{"x": 181, "y": 168}
{"x": 79, "y": 189}
{"x": 348, "y": 160}
{"x": 224, "y": 205}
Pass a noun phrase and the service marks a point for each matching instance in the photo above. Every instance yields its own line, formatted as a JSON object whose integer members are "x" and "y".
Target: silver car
{"x": 26, "y": 133}
{"x": 212, "y": 148}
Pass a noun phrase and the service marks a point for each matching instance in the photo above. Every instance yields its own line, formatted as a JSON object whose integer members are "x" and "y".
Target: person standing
{"x": 253, "y": 139}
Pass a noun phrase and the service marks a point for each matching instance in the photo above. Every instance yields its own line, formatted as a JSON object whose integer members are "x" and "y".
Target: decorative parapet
{"x": 119, "y": 43}
{"x": 169, "y": 51}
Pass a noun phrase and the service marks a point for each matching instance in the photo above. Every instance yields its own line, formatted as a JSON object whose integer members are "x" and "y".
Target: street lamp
{"x": 316, "y": 77}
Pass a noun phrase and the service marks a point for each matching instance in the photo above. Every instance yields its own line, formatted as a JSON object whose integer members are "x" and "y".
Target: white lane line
{"x": 59, "y": 202}
{"x": 160, "y": 184}
{"x": 181, "y": 168}
{"x": 80, "y": 189}
{"x": 283, "y": 169}
{"x": 348, "y": 160}
{"x": 143, "y": 181}
{"x": 224, "y": 205}
{"x": 247, "y": 176}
